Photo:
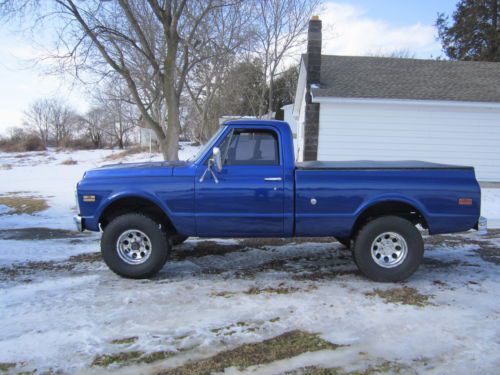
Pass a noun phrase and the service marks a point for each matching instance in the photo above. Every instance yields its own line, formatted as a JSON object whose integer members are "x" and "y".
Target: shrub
{"x": 21, "y": 144}
{"x": 124, "y": 153}
{"x": 33, "y": 143}
{"x": 78, "y": 144}
{"x": 69, "y": 161}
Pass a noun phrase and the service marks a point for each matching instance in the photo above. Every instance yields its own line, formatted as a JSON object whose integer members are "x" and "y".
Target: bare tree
{"x": 52, "y": 118}
{"x": 37, "y": 118}
{"x": 403, "y": 53}
{"x": 280, "y": 27}
{"x": 120, "y": 115}
{"x": 62, "y": 121}
{"x": 93, "y": 124}
{"x": 122, "y": 119}
{"x": 228, "y": 30}
{"x": 103, "y": 37}
{"x": 245, "y": 82}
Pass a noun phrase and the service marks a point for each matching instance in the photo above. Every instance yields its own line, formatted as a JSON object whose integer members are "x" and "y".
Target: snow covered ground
{"x": 63, "y": 310}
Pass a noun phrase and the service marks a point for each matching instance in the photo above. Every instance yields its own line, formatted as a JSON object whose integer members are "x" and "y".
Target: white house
{"x": 288, "y": 117}
{"x": 375, "y": 108}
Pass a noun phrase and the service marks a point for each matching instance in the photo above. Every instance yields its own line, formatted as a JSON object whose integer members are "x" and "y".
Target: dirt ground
{"x": 219, "y": 288}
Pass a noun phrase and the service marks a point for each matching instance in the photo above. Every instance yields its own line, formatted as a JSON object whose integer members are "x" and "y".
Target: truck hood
{"x": 161, "y": 168}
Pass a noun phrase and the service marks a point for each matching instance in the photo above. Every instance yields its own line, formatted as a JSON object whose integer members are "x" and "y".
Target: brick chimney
{"x": 311, "y": 127}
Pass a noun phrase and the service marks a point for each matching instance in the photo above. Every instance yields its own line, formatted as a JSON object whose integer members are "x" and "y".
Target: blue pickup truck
{"x": 245, "y": 183}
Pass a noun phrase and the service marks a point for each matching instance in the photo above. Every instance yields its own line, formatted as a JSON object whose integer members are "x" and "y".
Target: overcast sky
{"x": 355, "y": 27}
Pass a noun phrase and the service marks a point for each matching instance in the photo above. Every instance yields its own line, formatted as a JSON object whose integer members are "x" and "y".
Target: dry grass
{"x": 489, "y": 253}
{"x": 86, "y": 257}
{"x": 287, "y": 345}
{"x": 404, "y": 295}
{"x": 129, "y": 358}
{"x": 241, "y": 327}
{"x": 122, "y": 154}
{"x": 386, "y": 367}
{"x": 21, "y": 234}
{"x": 279, "y": 290}
{"x": 69, "y": 161}
{"x": 125, "y": 340}
{"x": 23, "y": 272}
{"x": 6, "y": 366}
{"x": 23, "y": 204}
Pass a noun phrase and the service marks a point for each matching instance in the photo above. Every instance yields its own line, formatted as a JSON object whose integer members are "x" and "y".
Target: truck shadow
{"x": 297, "y": 259}
{"x": 304, "y": 258}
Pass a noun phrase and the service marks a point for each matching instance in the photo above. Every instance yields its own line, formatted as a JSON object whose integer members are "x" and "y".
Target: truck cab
{"x": 252, "y": 193}
{"x": 245, "y": 183}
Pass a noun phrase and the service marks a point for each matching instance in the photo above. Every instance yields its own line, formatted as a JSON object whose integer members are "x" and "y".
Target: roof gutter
{"x": 382, "y": 101}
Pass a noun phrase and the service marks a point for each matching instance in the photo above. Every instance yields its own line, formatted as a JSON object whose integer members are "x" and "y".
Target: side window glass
{"x": 253, "y": 147}
{"x": 224, "y": 147}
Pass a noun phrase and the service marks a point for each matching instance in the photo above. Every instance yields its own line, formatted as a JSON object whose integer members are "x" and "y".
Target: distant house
{"x": 397, "y": 109}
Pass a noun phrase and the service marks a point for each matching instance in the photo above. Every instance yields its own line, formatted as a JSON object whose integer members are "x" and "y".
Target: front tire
{"x": 134, "y": 246}
{"x": 388, "y": 249}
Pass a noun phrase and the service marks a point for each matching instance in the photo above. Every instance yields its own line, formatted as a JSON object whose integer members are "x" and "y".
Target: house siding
{"x": 463, "y": 135}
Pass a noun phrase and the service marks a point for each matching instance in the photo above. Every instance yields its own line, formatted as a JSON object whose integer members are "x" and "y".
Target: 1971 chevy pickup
{"x": 245, "y": 183}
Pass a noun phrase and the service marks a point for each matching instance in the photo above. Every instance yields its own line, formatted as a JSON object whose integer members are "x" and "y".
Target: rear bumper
{"x": 482, "y": 225}
{"x": 78, "y": 222}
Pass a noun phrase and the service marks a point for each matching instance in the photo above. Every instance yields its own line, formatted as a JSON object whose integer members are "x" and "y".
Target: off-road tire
{"x": 159, "y": 245}
{"x": 362, "y": 250}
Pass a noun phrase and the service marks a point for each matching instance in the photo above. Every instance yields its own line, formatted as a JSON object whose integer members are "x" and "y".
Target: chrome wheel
{"x": 133, "y": 247}
{"x": 389, "y": 250}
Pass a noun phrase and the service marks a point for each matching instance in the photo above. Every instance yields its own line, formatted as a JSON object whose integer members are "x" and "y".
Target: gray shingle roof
{"x": 394, "y": 78}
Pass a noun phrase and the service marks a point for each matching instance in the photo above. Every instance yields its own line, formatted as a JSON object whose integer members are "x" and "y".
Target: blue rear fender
{"x": 385, "y": 200}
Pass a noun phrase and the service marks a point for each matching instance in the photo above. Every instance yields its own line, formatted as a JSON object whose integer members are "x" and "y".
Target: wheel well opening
{"x": 139, "y": 205}
{"x": 394, "y": 208}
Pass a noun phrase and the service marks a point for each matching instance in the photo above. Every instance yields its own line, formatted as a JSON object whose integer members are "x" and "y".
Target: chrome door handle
{"x": 272, "y": 179}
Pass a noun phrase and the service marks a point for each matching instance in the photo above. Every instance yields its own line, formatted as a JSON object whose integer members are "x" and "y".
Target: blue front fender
{"x": 92, "y": 222}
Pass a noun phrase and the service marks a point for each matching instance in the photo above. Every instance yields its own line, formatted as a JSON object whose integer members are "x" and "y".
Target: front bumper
{"x": 78, "y": 222}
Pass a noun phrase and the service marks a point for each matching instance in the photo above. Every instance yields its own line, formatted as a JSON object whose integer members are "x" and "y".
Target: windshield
{"x": 207, "y": 145}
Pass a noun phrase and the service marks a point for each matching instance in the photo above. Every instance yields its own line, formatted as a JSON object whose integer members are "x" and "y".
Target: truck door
{"x": 248, "y": 198}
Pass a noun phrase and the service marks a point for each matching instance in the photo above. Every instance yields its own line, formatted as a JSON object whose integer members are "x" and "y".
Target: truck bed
{"x": 373, "y": 165}
{"x": 342, "y": 190}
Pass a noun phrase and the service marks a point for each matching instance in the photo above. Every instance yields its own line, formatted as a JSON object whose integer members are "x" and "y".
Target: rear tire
{"x": 388, "y": 249}
{"x": 134, "y": 246}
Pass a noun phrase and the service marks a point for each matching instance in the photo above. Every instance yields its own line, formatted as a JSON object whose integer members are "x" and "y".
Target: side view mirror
{"x": 217, "y": 158}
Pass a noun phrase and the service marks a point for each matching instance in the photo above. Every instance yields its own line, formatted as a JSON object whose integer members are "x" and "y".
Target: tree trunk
{"x": 271, "y": 93}
{"x": 173, "y": 127}
{"x": 163, "y": 148}
{"x": 170, "y": 146}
